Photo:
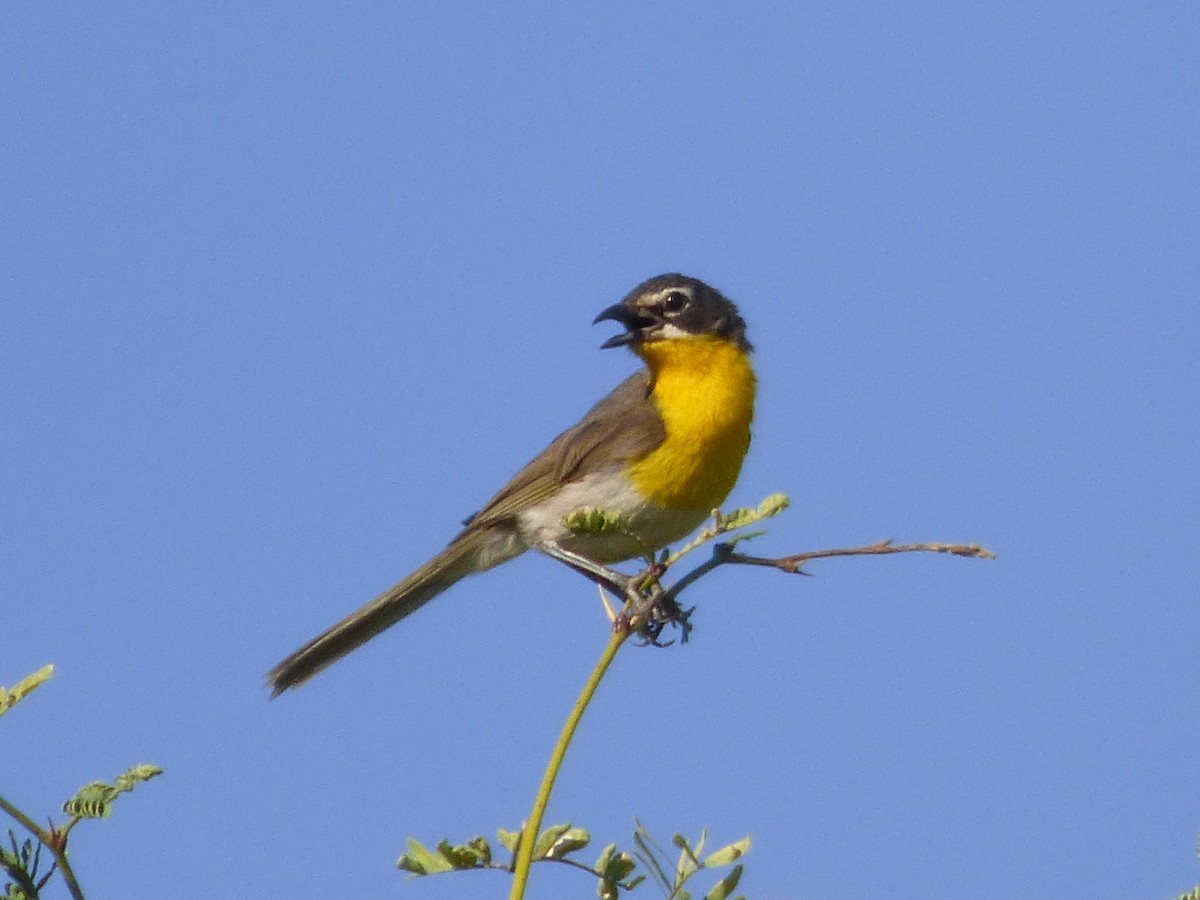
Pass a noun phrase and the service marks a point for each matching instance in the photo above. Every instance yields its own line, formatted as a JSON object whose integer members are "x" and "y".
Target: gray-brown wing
{"x": 623, "y": 425}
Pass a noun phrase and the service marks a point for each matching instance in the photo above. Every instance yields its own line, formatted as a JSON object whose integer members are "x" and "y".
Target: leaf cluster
{"x": 95, "y": 799}
{"x": 10, "y": 697}
{"x": 723, "y": 523}
{"x": 690, "y": 863}
{"x": 615, "y": 870}
{"x": 21, "y": 861}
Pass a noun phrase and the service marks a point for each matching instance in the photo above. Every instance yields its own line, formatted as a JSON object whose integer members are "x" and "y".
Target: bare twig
{"x": 794, "y": 563}
{"x": 724, "y": 554}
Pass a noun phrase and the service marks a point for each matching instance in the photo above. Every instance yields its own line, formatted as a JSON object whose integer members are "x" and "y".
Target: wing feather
{"x": 623, "y": 425}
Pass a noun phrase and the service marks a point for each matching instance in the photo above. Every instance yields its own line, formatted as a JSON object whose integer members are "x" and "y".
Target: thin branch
{"x": 793, "y": 563}
{"x": 54, "y": 840}
{"x": 533, "y": 825}
{"x": 572, "y": 862}
{"x": 723, "y": 554}
{"x": 29, "y": 825}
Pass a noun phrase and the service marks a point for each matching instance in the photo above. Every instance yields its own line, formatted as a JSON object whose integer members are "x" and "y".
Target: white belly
{"x": 645, "y": 527}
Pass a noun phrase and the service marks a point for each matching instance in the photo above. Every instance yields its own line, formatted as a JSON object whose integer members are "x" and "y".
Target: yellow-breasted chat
{"x": 660, "y": 453}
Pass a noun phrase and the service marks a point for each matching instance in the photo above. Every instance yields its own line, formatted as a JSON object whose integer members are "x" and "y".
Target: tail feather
{"x": 467, "y": 554}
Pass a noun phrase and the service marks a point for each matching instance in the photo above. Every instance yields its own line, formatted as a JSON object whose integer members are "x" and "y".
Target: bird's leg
{"x": 641, "y": 591}
{"x": 648, "y": 607}
{"x": 617, "y": 582}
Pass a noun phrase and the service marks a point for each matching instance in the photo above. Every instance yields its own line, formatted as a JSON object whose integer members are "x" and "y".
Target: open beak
{"x": 636, "y": 323}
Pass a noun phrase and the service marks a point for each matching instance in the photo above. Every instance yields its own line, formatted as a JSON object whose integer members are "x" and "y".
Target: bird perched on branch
{"x": 660, "y": 453}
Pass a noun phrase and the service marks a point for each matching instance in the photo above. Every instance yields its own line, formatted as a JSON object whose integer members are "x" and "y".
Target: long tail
{"x": 472, "y": 551}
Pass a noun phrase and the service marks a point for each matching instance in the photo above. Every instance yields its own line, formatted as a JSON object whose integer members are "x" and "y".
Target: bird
{"x": 658, "y": 454}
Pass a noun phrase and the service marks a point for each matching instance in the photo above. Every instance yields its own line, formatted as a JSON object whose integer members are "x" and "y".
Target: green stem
{"x": 47, "y": 841}
{"x": 533, "y": 825}
{"x": 27, "y": 822}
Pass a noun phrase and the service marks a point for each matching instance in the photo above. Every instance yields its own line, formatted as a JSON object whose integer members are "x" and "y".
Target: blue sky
{"x": 287, "y": 291}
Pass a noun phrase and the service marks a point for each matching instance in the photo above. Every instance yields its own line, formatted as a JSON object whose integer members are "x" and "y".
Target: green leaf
{"x": 591, "y": 520}
{"x": 92, "y": 801}
{"x": 726, "y": 885}
{"x": 548, "y": 838}
{"x": 10, "y": 697}
{"x": 508, "y": 839}
{"x": 773, "y": 505}
{"x": 460, "y": 856}
{"x": 482, "y": 849}
{"x": 568, "y": 842}
{"x": 649, "y": 853}
{"x": 21, "y": 865}
{"x": 614, "y": 869}
{"x": 135, "y": 775}
{"x": 728, "y": 854}
{"x": 740, "y": 518}
{"x": 420, "y": 861}
{"x": 737, "y": 518}
{"x": 687, "y": 865}
{"x": 615, "y": 865}
{"x": 604, "y": 860}
{"x": 723, "y": 523}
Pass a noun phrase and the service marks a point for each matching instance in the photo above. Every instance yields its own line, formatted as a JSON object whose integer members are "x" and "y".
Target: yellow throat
{"x": 704, "y": 389}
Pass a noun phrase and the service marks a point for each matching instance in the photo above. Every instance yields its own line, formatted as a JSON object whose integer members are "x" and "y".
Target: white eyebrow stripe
{"x": 663, "y": 294}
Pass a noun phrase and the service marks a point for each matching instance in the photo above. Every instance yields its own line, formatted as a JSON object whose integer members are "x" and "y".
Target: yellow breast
{"x": 704, "y": 389}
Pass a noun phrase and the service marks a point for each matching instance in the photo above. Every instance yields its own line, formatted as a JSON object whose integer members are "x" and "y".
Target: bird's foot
{"x": 649, "y": 608}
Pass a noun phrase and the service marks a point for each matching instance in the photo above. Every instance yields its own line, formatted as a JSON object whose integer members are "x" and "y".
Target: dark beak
{"x": 633, "y": 320}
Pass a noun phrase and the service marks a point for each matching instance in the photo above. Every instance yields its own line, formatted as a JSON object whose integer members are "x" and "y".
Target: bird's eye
{"x": 674, "y": 303}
